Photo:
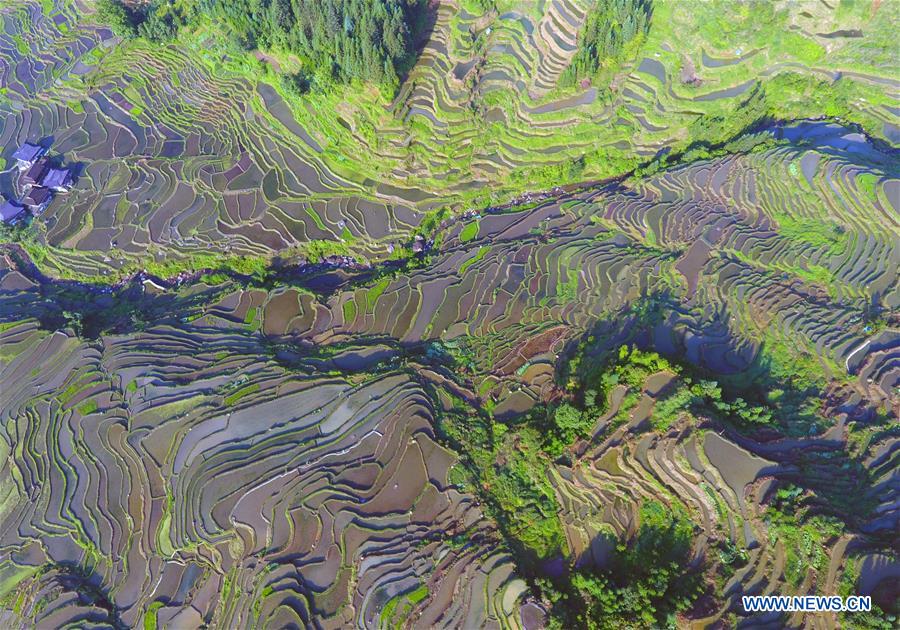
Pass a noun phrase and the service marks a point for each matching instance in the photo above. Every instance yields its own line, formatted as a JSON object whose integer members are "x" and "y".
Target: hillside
{"x": 590, "y": 318}
{"x": 195, "y": 145}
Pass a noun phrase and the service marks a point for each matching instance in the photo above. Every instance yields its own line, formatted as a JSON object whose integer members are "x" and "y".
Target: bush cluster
{"x": 612, "y": 30}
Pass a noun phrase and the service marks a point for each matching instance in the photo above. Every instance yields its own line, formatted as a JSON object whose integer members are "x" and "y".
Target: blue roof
{"x": 28, "y": 152}
{"x": 56, "y": 178}
{"x": 9, "y": 210}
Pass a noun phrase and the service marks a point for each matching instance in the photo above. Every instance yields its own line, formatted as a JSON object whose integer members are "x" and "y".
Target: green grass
{"x": 577, "y": 147}
{"x": 866, "y": 183}
{"x": 818, "y": 233}
{"x": 21, "y": 45}
{"x": 317, "y": 250}
{"x": 567, "y": 290}
{"x": 817, "y": 274}
{"x": 88, "y": 407}
{"x": 481, "y": 253}
{"x": 469, "y": 232}
{"x": 804, "y": 540}
{"x": 387, "y": 613}
{"x": 419, "y": 594}
{"x": 150, "y": 621}
{"x": 71, "y": 391}
{"x": 349, "y": 309}
{"x": 4, "y": 326}
{"x": 810, "y": 273}
{"x": 392, "y": 615}
{"x": 798, "y": 46}
{"x": 233, "y": 398}
{"x": 375, "y": 292}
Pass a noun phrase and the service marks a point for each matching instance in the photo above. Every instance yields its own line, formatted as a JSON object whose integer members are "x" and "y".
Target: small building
{"x": 27, "y": 154}
{"x": 37, "y": 199}
{"x": 36, "y": 172}
{"x": 57, "y": 179}
{"x": 10, "y": 210}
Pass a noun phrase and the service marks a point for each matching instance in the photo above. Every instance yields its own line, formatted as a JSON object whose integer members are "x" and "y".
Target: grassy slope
{"x": 468, "y": 161}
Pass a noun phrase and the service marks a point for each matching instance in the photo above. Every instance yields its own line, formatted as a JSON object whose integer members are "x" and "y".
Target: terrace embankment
{"x": 262, "y": 452}
{"x": 657, "y": 437}
{"x": 442, "y": 440}
{"x": 191, "y": 147}
{"x": 735, "y": 244}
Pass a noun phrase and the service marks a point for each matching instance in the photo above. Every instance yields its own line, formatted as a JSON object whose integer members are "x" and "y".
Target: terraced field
{"x": 269, "y": 455}
{"x": 183, "y": 148}
{"x": 443, "y": 358}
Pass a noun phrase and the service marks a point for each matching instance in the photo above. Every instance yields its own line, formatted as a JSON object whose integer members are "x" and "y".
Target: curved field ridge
{"x": 248, "y": 456}
{"x": 311, "y": 498}
{"x": 727, "y": 484}
{"x": 743, "y": 247}
{"x": 181, "y": 148}
{"x": 230, "y": 439}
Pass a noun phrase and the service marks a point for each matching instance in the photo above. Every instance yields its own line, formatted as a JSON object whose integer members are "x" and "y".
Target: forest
{"x": 612, "y": 28}
{"x": 336, "y": 40}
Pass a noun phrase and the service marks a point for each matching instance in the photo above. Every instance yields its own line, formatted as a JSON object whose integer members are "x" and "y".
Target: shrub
{"x": 117, "y": 17}
{"x": 645, "y": 583}
{"x": 612, "y": 29}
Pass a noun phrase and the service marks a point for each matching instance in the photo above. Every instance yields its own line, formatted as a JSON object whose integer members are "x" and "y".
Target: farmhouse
{"x": 57, "y": 179}
{"x": 27, "y": 154}
{"x": 39, "y": 179}
{"x": 36, "y": 172}
{"x": 37, "y": 199}
{"x": 10, "y": 210}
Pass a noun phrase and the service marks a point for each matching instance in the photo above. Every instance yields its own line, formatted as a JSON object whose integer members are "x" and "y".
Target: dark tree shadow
{"x": 90, "y": 592}
{"x": 426, "y": 19}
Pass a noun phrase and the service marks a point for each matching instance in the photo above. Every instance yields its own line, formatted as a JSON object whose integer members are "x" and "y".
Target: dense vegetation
{"x": 336, "y": 40}
{"x": 156, "y": 21}
{"x": 692, "y": 394}
{"x": 507, "y": 459}
{"x": 614, "y": 30}
{"x": 698, "y": 126}
{"x": 785, "y": 96}
{"x": 649, "y": 577}
{"x": 507, "y": 466}
{"x": 647, "y": 581}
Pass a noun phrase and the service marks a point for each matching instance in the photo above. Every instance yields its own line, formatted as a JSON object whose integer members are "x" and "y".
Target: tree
{"x": 114, "y": 14}
{"x": 609, "y": 30}
{"x": 646, "y": 581}
{"x": 157, "y": 27}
